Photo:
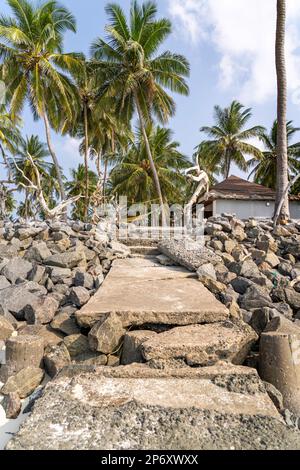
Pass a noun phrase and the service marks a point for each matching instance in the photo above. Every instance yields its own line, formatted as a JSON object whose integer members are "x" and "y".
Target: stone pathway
{"x": 142, "y": 291}
{"x": 219, "y": 406}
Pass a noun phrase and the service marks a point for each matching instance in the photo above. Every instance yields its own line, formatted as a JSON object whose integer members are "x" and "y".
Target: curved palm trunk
{"x": 104, "y": 177}
{"x": 54, "y": 157}
{"x": 152, "y": 164}
{"x": 282, "y": 201}
{"x": 86, "y": 164}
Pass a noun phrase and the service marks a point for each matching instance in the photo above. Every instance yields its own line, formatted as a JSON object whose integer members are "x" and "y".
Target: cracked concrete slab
{"x": 142, "y": 292}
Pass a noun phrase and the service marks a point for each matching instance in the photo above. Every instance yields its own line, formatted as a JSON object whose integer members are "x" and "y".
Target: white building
{"x": 245, "y": 199}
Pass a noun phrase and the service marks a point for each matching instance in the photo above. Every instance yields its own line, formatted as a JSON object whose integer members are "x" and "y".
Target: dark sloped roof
{"x": 238, "y": 188}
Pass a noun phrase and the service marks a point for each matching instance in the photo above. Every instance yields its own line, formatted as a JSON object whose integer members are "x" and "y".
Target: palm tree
{"x": 31, "y": 146}
{"x": 135, "y": 74}
{"x": 265, "y": 168}
{"x": 34, "y": 66}
{"x": 205, "y": 157}
{"x": 76, "y": 187}
{"x": 229, "y": 138}
{"x": 282, "y": 201}
{"x": 133, "y": 175}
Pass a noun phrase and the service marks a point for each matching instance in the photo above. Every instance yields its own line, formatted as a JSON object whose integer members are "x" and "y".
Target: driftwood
{"x": 57, "y": 211}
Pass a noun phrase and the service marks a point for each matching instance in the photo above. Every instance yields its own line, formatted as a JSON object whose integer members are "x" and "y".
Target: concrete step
{"x": 139, "y": 241}
{"x": 144, "y": 250}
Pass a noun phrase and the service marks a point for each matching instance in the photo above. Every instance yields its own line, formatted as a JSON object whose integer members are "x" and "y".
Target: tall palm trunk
{"x": 282, "y": 202}
{"x": 54, "y": 157}
{"x": 151, "y": 161}
{"x": 105, "y": 177}
{"x": 86, "y": 161}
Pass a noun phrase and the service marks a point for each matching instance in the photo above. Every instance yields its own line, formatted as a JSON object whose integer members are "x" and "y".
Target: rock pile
{"x": 47, "y": 272}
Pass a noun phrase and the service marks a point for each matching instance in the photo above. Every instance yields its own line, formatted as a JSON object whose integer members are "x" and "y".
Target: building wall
{"x": 257, "y": 209}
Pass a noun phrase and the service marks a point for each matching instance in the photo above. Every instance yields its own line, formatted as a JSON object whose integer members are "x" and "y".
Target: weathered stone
{"x": 28, "y": 232}
{"x": 241, "y": 284}
{"x": 91, "y": 358}
{"x": 6, "y": 328}
{"x": 147, "y": 403}
{"x": 212, "y": 285}
{"x": 188, "y": 253}
{"x": 38, "y": 252}
{"x": 12, "y": 405}
{"x": 245, "y": 268}
{"x": 206, "y": 270}
{"x": 202, "y": 345}
{"x": 55, "y": 358}
{"x": 23, "y": 382}
{"x": 4, "y": 282}
{"x": 16, "y": 268}
{"x": 23, "y": 351}
{"x": 14, "y": 299}
{"x": 292, "y": 298}
{"x": 7, "y": 251}
{"x": 38, "y": 274}
{"x": 60, "y": 275}
{"x": 79, "y": 296}
{"x": 50, "y": 337}
{"x": 106, "y": 335}
{"x": 255, "y": 297}
{"x": 133, "y": 340}
{"x": 272, "y": 259}
{"x": 165, "y": 260}
{"x": 42, "y": 311}
{"x": 279, "y": 360}
{"x": 76, "y": 344}
{"x": 69, "y": 259}
{"x": 275, "y": 395}
{"x": 65, "y": 323}
{"x": 84, "y": 280}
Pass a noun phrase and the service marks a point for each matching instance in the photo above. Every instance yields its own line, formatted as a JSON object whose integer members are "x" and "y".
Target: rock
{"x": 38, "y": 274}
{"x": 69, "y": 259}
{"x": 6, "y": 328}
{"x": 229, "y": 246}
{"x": 50, "y": 337}
{"x": 4, "y": 282}
{"x": 42, "y": 311}
{"x": 119, "y": 248}
{"x": 16, "y": 268}
{"x": 272, "y": 259}
{"x": 60, "y": 275}
{"x": 212, "y": 285}
{"x": 259, "y": 319}
{"x": 55, "y": 358}
{"x": 147, "y": 403}
{"x": 91, "y": 358}
{"x": 28, "y": 232}
{"x": 65, "y": 323}
{"x": 23, "y": 351}
{"x": 76, "y": 344}
{"x": 79, "y": 296}
{"x": 206, "y": 270}
{"x": 38, "y": 252}
{"x": 280, "y": 360}
{"x": 7, "y": 251}
{"x": 202, "y": 345}
{"x": 275, "y": 395}
{"x": 83, "y": 279}
{"x": 188, "y": 254}
{"x": 12, "y": 405}
{"x": 14, "y": 299}
{"x": 106, "y": 334}
{"x": 292, "y": 298}
{"x": 23, "y": 382}
{"x": 165, "y": 260}
{"x": 255, "y": 297}
{"x": 245, "y": 268}
{"x": 241, "y": 284}
{"x": 133, "y": 340}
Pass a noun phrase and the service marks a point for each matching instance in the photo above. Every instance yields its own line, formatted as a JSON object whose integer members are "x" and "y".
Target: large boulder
{"x": 24, "y": 382}
{"x": 69, "y": 259}
{"x": 14, "y": 299}
{"x": 106, "y": 334}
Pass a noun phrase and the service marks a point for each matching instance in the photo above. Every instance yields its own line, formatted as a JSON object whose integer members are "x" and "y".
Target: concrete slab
{"x": 141, "y": 291}
{"x": 114, "y": 410}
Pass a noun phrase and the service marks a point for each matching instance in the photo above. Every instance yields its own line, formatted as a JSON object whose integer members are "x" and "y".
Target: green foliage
{"x": 228, "y": 139}
{"x": 76, "y": 187}
{"x": 133, "y": 177}
{"x": 265, "y": 167}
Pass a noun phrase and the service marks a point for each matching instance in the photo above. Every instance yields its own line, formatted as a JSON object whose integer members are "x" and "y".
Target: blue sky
{"x": 230, "y": 46}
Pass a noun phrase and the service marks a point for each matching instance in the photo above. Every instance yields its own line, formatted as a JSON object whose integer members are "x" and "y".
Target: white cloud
{"x": 243, "y": 33}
